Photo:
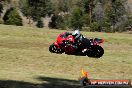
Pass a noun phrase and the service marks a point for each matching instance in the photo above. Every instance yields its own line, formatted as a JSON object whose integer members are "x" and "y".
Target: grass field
{"x": 25, "y": 61}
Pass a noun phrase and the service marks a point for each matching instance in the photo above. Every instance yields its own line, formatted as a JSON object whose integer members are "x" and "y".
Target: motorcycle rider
{"x": 80, "y": 41}
{"x": 77, "y": 36}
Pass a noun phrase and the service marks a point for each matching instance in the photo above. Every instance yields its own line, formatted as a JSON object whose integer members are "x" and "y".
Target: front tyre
{"x": 54, "y": 49}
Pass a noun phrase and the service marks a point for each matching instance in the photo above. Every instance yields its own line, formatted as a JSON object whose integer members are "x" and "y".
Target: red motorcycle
{"x": 87, "y": 47}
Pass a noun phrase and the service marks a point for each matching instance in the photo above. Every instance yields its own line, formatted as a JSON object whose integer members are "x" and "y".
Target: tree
{"x": 86, "y": 20}
{"x": 87, "y": 5}
{"x": 115, "y": 12}
{"x": 12, "y": 17}
{"x": 94, "y": 26}
{"x": 35, "y": 9}
{"x": 63, "y": 5}
{"x": 26, "y": 10}
{"x": 1, "y": 8}
{"x": 99, "y": 12}
{"x": 76, "y": 20}
{"x": 2, "y": 2}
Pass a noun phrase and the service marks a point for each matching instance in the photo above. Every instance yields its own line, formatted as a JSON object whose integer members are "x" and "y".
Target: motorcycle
{"x": 88, "y": 47}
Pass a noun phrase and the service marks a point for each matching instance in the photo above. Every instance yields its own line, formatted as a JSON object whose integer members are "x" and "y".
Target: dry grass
{"x": 24, "y": 58}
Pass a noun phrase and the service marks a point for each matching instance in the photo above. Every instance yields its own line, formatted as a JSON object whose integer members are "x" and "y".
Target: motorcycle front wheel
{"x": 54, "y": 49}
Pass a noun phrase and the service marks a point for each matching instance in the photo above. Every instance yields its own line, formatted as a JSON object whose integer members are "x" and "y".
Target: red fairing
{"x": 70, "y": 38}
{"x": 60, "y": 38}
{"x": 56, "y": 43}
{"x": 60, "y": 42}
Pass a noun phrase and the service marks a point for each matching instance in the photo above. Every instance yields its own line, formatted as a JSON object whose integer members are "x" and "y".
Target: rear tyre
{"x": 54, "y": 49}
{"x": 90, "y": 51}
{"x": 98, "y": 51}
{"x": 95, "y": 51}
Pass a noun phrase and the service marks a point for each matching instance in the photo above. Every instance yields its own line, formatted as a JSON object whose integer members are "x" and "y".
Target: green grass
{"x": 25, "y": 59}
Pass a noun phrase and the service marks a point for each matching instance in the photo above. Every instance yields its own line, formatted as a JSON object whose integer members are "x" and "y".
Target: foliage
{"x": 115, "y": 11}
{"x": 76, "y": 20}
{"x": 12, "y": 17}
{"x": 87, "y": 5}
{"x": 99, "y": 12}
{"x": 105, "y": 15}
{"x": 63, "y": 5}
{"x": 94, "y": 26}
{"x": 36, "y": 9}
{"x": 40, "y": 24}
{"x": 1, "y": 8}
{"x": 7, "y": 1}
{"x": 129, "y": 22}
{"x": 25, "y": 8}
{"x": 86, "y": 20}
{"x": 86, "y": 29}
{"x": 105, "y": 25}
{"x": 57, "y": 21}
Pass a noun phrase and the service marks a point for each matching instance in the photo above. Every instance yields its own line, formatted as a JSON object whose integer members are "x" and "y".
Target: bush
{"x": 106, "y": 26}
{"x": 57, "y": 22}
{"x": 94, "y": 26}
{"x": 40, "y": 24}
{"x": 86, "y": 20}
{"x": 86, "y": 29}
{"x": 103, "y": 25}
{"x": 12, "y": 17}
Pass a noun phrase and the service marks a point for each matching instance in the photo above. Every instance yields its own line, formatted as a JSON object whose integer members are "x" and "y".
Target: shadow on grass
{"x": 47, "y": 82}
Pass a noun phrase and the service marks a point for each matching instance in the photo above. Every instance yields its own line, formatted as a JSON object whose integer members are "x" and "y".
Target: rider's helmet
{"x": 76, "y": 34}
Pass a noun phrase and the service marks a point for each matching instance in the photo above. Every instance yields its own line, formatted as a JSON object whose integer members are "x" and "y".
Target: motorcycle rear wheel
{"x": 95, "y": 51}
{"x": 98, "y": 51}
